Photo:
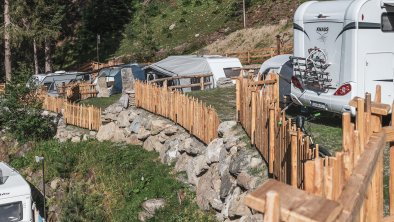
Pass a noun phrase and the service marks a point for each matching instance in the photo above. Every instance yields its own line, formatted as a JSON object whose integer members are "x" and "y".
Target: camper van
{"x": 15, "y": 196}
{"x": 52, "y": 80}
{"x": 342, "y": 49}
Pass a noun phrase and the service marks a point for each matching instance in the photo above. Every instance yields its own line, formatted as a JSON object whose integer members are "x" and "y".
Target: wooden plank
{"x": 295, "y": 204}
{"x": 391, "y": 181}
{"x": 353, "y": 194}
{"x": 376, "y": 108}
{"x": 272, "y": 207}
{"x": 389, "y": 131}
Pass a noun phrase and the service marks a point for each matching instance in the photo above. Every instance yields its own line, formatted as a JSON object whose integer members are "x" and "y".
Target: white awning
{"x": 387, "y": 3}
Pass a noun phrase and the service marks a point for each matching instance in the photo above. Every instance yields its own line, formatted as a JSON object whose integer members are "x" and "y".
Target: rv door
{"x": 379, "y": 70}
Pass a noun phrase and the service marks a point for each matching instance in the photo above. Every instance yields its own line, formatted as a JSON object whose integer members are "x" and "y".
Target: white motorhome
{"x": 342, "y": 49}
{"x": 15, "y": 196}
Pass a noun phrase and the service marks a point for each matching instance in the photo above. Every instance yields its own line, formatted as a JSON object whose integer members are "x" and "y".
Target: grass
{"x": 222, "y": 99}
{"x": 110, "y": 181}
{"x": 101, "y": 102}
{"x": 326, "y": 129}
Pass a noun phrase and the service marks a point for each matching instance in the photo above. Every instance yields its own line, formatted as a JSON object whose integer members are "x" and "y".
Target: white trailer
{"x": 15, "y": 196}
{"x": 342, "y": 49}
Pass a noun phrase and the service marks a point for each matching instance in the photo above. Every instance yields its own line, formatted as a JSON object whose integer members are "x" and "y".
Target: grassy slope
{"x": 326, "y": 129}
{"x": 101, "y": 102}
{"x": 222, "y": 99}
{"x": 110, "y": 181}
{"x": 191, "y": 18}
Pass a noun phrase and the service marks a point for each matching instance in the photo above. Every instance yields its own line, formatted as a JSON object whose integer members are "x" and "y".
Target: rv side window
{"x": 388, "y": 22}
{"x": 11, "y": 212}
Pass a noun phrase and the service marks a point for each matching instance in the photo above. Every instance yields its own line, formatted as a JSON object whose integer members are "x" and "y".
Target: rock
{"x": 225, "y": 127}
{"x": 143, "y": 134}
{"x": 252, "y": 218}
{"x": 132, "y": 139}
{"x": 224, "y": 161}
{"x": 158, "y": 125}
{"x": 144, "y": 216}
{"x": 110, "y": 117}
{"x": 136, "y": 124}
{"x": 237, "y": 206}
{"x": 172, "y": 26}
{"x": 118, "y": 136}
{"x": 85, "y": 137}
{"x": 76, "y": 139}
{"x": 118, "y": 109}
{"x": 200, "y": 165}
{"x": 124, "y": 101}
{"x": 226, "y": 186}
{"x": 106, "y": 132}
{"x": 172, "y": 155}
{"x": 152, "y": 143}
{"x": 192, "y": 146}
{"x": 123, "y": 119}
{"x": 54, "y": 183}
{"x": 244, "y": 180}
{"x": 239, "y": 162}
{"x": 255, "y": 162}
{"x": 216, "y": 204}
{"x": 169, "y": 131}
{"x": 213, "y": 150}
{"x": 191, "y": 176}
{"x": 182, "y": 162}
{"x": 152, "y": 205}
{"x": 204, "y": 191}
{"x": 92, "y": 133}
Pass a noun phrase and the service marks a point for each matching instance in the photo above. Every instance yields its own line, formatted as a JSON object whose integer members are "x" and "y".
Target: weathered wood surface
{"x": 295, "y": 204}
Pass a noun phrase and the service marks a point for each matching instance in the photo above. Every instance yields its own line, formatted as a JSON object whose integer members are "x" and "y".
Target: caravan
{"x": 15, "y": 196}
{"x": 342, "y": 49}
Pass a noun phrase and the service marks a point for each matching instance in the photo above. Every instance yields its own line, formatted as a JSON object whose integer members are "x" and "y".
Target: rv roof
{"x": 14, "y": 184}
{"x": 325, "y": 11}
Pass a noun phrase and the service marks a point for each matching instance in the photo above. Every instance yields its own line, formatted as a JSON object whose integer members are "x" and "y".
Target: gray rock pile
{"x": 221, "y": 173}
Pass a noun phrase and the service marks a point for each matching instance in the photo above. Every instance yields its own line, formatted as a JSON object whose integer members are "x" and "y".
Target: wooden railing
{"x": 260, "y": 55}
{"x": 282, "y": 145}
{"x": 199, "y": 119}
{"x": 88, "y": 117}
{"x": 345, "y": 187}
{"x": 77, "y": 91}
{"x": 201, "y": 82}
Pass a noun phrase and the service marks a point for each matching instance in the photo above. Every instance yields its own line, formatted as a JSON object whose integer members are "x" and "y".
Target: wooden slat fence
{"x": 88, "y": 117}
{"x": 195, "y": 116}
{"x": 284, "y": 147}
{"x": 351, "y": 181}
{"x": 77, "y": 91}
{"x": 260, "y": 55}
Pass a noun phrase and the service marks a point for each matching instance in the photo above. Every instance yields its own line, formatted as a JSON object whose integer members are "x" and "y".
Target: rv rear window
{"x": 388, "y": 22}
{"x": 11, "y": 212}
{"x": 229, "y": 72}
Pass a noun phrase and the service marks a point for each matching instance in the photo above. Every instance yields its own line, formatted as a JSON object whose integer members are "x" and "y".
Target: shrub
{"x": 20, "y": 114}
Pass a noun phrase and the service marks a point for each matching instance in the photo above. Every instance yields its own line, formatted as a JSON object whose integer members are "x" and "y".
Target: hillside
{"x": 160, "y": 28}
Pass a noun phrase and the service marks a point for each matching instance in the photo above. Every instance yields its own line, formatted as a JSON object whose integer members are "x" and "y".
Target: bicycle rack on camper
{"x": 342, "y": 49}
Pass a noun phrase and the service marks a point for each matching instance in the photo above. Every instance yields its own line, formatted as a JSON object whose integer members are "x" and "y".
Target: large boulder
{"x": 200, "y": 165}
{"x": 182, "y": 162}
{"x": 143, "y": 134}
{"x": 252, "y": 218}
{"x": 237, "y": 207}
{"x": 152, "y": 143}
{"x": 158, "y": 125}
{"x": 213, "y": 150}
{"x": 124, "y": 101}
{"x": 136, "y": 124}
{"x": 123, "y": 119}
{"x": 150, "y": 207}
{"x": 107, "y": 132}
{"x": 205, "y": 191}
{"x": 226, "y": 127}
{"x": 227, "y": 185}
{"x": 240, "y": 162}
{"x": 192, "y": 146}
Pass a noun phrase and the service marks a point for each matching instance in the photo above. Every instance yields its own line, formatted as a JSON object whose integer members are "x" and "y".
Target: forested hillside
{"x": 64, "y": 32}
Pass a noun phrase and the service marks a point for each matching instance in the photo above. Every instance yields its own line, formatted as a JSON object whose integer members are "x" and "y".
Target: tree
{"x": 7, "y": 45}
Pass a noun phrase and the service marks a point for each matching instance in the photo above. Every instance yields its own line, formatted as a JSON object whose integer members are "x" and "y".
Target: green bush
{"x": 20, "y": 114}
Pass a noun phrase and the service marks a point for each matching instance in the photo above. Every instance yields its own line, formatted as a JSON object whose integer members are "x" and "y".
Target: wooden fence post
{"x": 391, "y": 180}
{"x": 272, "y": 207}
{"x": 294, "y": 155}
{"x": 277, "y": 44}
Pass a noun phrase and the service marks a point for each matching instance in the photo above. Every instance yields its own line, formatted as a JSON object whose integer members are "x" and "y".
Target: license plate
{"x": 318, "y": 105}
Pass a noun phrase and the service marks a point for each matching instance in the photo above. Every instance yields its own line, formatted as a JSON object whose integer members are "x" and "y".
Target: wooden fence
{"x": 199, "y": 119}
{"x": 345, "y": 187}
{"x": 77, "y": 91}
{"x": 282, "y": 145}
{"x": 88, "y": 117}
{"x": 260, "y": 55}
{"x": 201, "y": 82}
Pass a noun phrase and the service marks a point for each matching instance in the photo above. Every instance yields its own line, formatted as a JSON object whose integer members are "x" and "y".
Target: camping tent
{"x": 117, "y": 79}
{"x": 220, "y": 67}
